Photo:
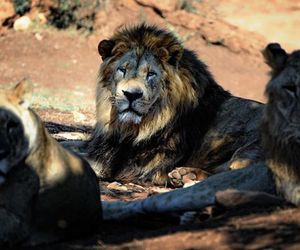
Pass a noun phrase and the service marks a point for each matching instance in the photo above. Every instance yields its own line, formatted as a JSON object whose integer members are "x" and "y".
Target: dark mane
{"x": 182, "y": 134}
{"x": 145, "y": 36}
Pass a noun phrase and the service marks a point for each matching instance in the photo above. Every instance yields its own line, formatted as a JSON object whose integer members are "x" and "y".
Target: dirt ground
{"x": 227, "y": 35}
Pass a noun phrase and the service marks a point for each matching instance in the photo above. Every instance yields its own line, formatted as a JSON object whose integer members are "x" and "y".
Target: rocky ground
{"x": 63, "y": 63}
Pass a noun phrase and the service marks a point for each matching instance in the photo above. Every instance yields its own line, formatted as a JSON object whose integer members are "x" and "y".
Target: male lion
{"x": 280, "y": 174}
{"x": 46, "y": 192}
{"x": 159, "y": 108}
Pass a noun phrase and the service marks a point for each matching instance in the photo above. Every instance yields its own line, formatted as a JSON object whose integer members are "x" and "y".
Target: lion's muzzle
{"x": 130, "y": 104}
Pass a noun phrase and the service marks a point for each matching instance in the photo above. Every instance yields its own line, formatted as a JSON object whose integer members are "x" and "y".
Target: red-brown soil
{"x": 227, "y": 35}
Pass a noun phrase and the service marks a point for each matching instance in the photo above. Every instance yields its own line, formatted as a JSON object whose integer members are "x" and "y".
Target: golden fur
{"x": 47, "y": 192}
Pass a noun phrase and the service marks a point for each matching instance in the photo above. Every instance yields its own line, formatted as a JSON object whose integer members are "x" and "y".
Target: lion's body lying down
{"x": 158, "y": 108}
{"x": 278, "y": 175}
{"x": 46, "y": 192}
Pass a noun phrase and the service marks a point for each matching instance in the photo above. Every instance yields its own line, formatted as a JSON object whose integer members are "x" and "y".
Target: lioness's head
{"x": 281, "y": 120}
{"x": 140, "y": 87}
{"x": 283, "y": 91}
{"x": 17, "y": 131}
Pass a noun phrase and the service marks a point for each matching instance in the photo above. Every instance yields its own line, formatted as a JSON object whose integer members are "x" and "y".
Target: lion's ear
{"x": 275, "y": 57}
{"x": 171, "y": 55}
{"x": 175, "y": 52}
{"x": 22, "y": 92}
{"x": 105, "y": 48}
{"x": 108, "y": 48}
{"x": 163, "y": 54}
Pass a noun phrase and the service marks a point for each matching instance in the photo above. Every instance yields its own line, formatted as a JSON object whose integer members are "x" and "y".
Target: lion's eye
{"x": 122, "y": 70}
{"x": 151, "y": 75}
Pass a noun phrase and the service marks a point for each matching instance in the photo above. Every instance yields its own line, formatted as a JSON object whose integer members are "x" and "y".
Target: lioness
{"x": 281, "y": 122}
{"x": 159, "y": 108}
{"x": 278, "y": 175}
{"x": 46, "y": 192}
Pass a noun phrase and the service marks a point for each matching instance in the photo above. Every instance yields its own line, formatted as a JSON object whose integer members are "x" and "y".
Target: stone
{"x": 22, "y": 23}
{"x": 162, "y": 6}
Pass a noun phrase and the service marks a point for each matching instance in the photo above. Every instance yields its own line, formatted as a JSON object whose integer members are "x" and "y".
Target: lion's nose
{"x": 133, "y": 95}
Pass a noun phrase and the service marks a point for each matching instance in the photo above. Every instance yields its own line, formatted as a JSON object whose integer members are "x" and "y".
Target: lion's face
{"x": 141, "y": 87}
{"x": 136, "y": 86}
{"x": 15, "y": 132}
{"x": 283, "y": 92}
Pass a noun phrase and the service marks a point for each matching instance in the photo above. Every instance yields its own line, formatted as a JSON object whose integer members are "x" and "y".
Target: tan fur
{"x": 60, "y": 194}
{"x": 287, "y": 183}
{"x": 103, "y": 111}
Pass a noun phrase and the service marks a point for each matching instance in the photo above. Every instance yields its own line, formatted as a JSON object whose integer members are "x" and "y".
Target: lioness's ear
{"x": 22, "y": 92}
{"x": 275, "y": 57}
{"x": 105, "y": 48}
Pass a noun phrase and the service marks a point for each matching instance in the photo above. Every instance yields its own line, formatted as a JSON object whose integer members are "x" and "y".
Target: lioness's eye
{"x": 290, "y": 87}
{"x": 150, "y": 75}
{"x": 11, "y": 125}
{"x": 122, "y": 70}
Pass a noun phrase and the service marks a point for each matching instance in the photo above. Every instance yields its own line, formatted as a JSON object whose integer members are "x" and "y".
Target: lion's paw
{"x": 184, "y": 176}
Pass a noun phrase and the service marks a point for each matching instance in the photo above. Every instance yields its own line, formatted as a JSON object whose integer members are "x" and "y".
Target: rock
{"x": 158, "y": 190}
{"x": 38, "y": 36}
{"x": 218, "y": 32}
{"x": 6, "y": 10}
{"x": 162, "y": 5}
{"x": 135, "y": 188}
{"x": 65, "y": 136}
{"x": 117, "y": 186}
{"x": 22, "y": 23}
